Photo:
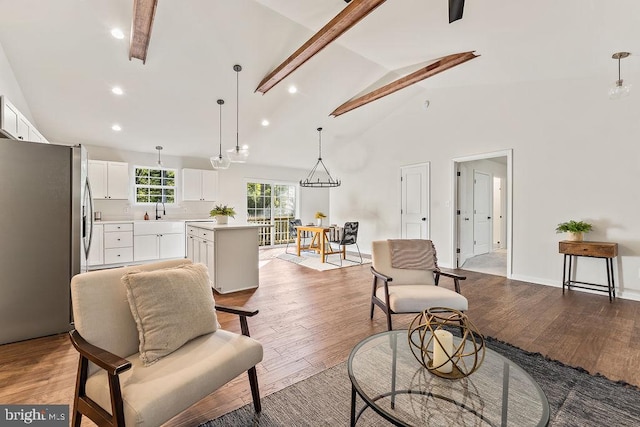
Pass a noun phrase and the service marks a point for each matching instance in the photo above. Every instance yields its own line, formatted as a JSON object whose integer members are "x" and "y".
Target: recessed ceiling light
{"x": 117, "y": 33}
{"x": 265, "y": 122}
{"x": 293, "y": 89}
{"x": 116, "y": 127}
{"x": 117, "y": 90}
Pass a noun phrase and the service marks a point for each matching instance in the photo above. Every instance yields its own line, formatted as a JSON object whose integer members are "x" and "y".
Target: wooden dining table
{"x": 319, "y": 241}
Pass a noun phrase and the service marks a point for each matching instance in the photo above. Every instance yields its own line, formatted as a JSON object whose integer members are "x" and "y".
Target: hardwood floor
{"x": 311, "y": 320}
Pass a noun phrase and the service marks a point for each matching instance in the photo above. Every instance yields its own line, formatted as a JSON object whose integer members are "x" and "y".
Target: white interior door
{"x": 415, "y": 201}
{"x": 498, "y": 239}
{"x": 481, "y": 212}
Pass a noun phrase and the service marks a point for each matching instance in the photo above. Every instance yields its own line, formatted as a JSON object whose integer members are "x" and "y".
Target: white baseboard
{"x": 629, "y": 294}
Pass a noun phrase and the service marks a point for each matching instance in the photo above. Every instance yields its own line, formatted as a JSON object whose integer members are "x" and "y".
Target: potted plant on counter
{"x": 222, "y": 213}
{"x": 575, "y": 229}
{"x": 319, "y": 216}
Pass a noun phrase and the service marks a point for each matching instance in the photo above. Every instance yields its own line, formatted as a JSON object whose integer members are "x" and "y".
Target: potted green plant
{"x": 222, "y": 213}
{"x": 575, "y": 229}
{"x": 319, "y": 216}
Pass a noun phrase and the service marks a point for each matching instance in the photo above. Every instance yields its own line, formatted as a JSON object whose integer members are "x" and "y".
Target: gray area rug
{"x": 575, "y": 398}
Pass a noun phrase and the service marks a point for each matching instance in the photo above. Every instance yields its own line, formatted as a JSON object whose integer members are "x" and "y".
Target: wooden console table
{"x": 605, "y": 250}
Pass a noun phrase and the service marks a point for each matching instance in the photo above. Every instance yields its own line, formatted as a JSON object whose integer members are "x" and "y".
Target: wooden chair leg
{"x": 76, "y": 418}
{"x": 389, "y": 326}
{"x": 255, "y": 391}
{"x": 373, "y": 295}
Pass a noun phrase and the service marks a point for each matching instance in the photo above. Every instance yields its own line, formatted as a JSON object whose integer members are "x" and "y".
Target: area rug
{"x": 312, "y": 260}
{"x": 575, "y": 398}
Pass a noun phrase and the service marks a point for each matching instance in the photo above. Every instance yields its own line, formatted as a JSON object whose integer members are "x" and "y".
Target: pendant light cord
{"x": 237, "y": 68}
{"x": 220, "y": 102}
{"x": 319, "y": 143}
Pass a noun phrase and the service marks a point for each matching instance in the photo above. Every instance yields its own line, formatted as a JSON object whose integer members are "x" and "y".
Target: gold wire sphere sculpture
{"x": 434, "y": 347}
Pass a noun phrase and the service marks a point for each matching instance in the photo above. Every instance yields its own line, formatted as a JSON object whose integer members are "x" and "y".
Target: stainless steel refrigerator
{"x": 46, "y": 222}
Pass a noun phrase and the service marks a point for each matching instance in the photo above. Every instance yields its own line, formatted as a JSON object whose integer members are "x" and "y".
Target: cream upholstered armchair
{"x": 406, "y": 278}
{"x": 150, "y": 344}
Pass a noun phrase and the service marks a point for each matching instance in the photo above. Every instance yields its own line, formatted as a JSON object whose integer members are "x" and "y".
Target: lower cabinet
{"x": 123, "y": 243}
{"x": 96, "y": 251}
{"x": 229, "y": 252}
{"x": 201, "y": 249}
{"x": 118, "y": 243}
{"x": 158, "y": 240}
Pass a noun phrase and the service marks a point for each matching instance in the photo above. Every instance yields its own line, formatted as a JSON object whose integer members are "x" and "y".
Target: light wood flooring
{"x": 310, "y": 321}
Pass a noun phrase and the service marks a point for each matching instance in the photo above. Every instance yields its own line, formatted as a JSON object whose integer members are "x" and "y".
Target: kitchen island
{"x": 229, "y": 251}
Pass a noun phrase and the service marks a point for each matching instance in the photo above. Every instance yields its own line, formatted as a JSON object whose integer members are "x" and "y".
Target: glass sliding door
{"x": 273, "y": 204}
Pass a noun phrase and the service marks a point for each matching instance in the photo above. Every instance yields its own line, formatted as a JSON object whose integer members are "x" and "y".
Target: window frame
{"x": 164, "y": 188}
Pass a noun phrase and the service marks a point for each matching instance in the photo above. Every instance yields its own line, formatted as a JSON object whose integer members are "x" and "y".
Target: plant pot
{"x": 575, "y": 237}
{"x": 319, "y": 222}
{"x": 221, "y": 219}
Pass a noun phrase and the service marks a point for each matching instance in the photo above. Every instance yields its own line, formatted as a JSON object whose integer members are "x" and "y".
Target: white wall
{"x": 232, "y": 186}
{"x": 10, "y": 88}
{"x": 575, "y": 152}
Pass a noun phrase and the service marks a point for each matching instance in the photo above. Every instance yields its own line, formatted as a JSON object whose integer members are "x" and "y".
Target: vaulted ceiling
{"x": 65, "y": 60}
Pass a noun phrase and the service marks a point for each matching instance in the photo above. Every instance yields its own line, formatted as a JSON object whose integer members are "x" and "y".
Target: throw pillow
{"x": 170, "y": 306}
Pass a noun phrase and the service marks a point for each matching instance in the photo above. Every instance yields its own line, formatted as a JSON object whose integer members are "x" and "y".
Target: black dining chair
{"x": 349, "y": 236}
{"x": 293, "y": 233}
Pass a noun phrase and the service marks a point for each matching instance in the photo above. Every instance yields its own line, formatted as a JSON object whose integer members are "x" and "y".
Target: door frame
{"x": 508, "y": 153}
{"x": 427, "y": 201}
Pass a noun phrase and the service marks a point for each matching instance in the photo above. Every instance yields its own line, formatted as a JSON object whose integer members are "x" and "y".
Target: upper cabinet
{"x": 199, "y": 184}
{"x": 14, "y": 125}
{"x": 109, "y": 180}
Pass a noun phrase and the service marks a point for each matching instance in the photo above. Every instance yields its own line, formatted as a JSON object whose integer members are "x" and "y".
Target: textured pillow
{"x": 170, "y": 306}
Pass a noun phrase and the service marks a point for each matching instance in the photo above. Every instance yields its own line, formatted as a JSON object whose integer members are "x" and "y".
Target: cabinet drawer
{"x": 593, "y": 249}
{"x": 192, "y": 231}
{"x": 118, "y": 227}
{"x": 205, "y": 234}
{"x": 118, "y": 255}
{"x": 119, "y": 239}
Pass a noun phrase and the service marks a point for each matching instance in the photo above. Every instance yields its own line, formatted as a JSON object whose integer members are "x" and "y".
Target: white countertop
{"x": 232, "y": 226}
{"x": 120, "y": 221}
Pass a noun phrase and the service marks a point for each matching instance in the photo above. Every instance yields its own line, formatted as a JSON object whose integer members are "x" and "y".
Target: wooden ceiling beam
{"x": 143, "y": 13}
{"x": 439, "y": 66}
{"x": 350, "y": 15}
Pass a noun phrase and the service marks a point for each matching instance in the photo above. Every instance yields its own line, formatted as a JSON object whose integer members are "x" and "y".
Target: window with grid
{"x": 155, "y": 185}
{"x": 273, "y": 204}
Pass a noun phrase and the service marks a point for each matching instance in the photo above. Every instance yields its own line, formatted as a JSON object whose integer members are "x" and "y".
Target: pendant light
{"x": 159, "y": 162}
{"x": 311, "y": 180}
{"x": 218, "y": 162}
{"x": 238, "y": 154}
{"x": 619, "y": 89}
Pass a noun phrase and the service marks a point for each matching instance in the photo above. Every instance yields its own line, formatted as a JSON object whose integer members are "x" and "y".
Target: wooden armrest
{"x": 108, "y": 361}
{"x": 452, "y": 275}
{"x": 380, "y": 275}
{"x": 244, "y": 326}
{"x": 236, "y": 310}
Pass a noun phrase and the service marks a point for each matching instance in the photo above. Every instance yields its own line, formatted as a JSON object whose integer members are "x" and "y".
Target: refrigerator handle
{"x": 90, "y": 240}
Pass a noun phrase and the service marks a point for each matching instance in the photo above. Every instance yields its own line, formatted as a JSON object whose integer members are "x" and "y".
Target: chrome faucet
{"x": 163, "y": 210}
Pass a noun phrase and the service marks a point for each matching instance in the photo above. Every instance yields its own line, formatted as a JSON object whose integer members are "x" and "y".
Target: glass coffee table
{"x": 391, "y": 381}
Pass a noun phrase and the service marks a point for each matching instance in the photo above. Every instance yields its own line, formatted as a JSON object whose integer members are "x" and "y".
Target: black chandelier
{"x": 317, "y": 183}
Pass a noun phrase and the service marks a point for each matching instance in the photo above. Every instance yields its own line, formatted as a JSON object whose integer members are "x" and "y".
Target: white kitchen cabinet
{"x": 118, "y": 243}
{"x": 96, "y": 252}
{"x": 229, "y": 252}
{"x": 109, "y": 180}
{"x": 15, "y": 125}
{"x": 199, "y": 185}
{"x": 155, "y": 240}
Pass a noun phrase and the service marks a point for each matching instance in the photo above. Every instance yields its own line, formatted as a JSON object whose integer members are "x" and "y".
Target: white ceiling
{"x": 66, "y": 62}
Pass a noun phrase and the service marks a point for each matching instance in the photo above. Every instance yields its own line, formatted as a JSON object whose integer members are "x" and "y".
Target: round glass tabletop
{"x": 391, "y": 381}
